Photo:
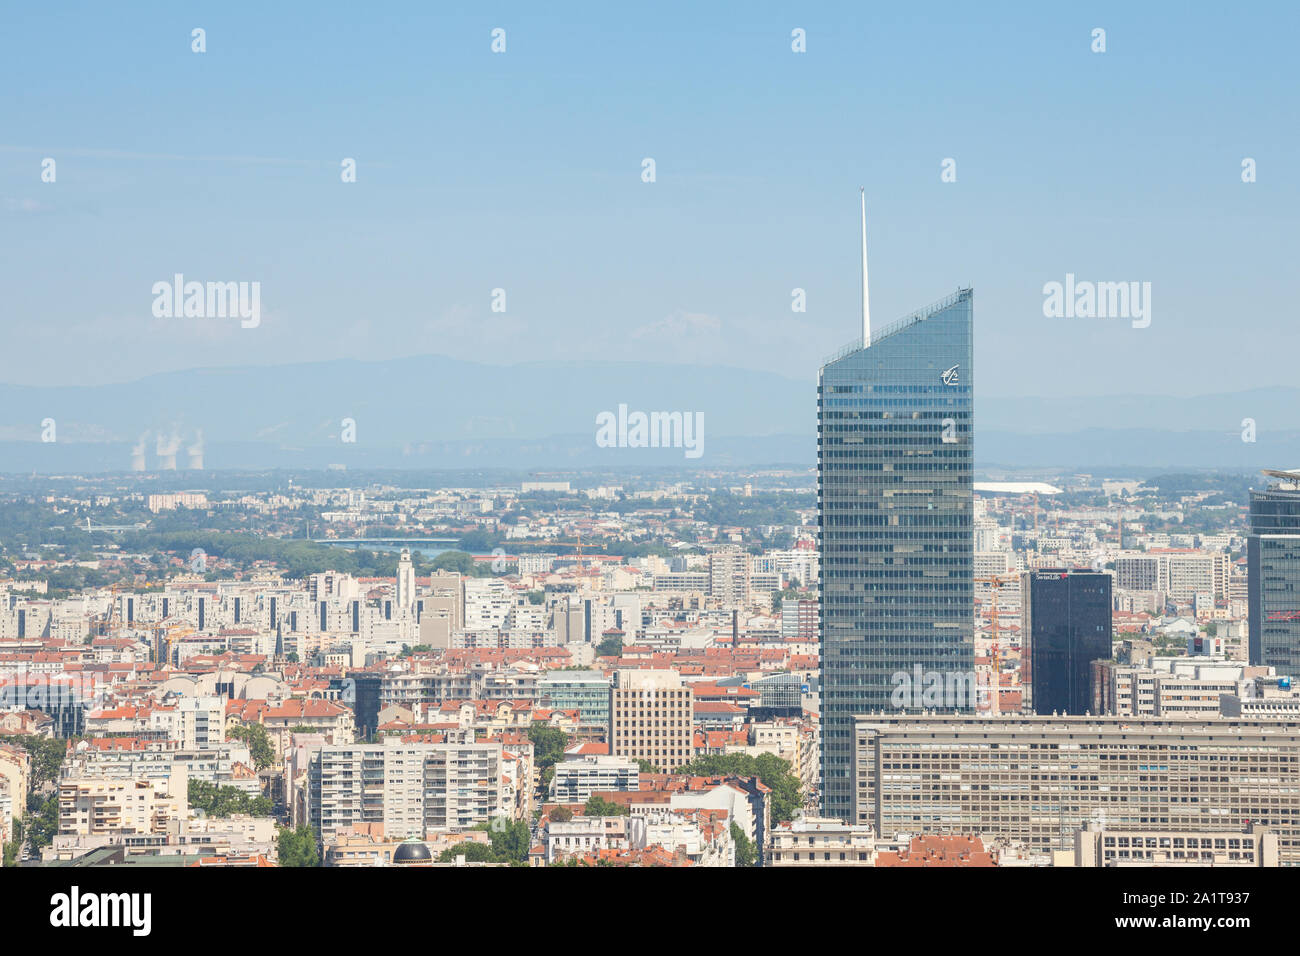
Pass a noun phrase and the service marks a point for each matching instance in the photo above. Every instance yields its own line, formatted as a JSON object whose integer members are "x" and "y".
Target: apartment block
{"x": 817, "y": 841}
{"x": 15, "y": 775}
{"x": 1177, "y": 574}
{"x": 7, "y": 817}
{"x": 409, "y": 788}
{"x": 729, "y": 577}
{"x": 799, "y": 619}
{"x": 576, "y": 780}
{"x": 1098, "y": 846}
{"x": 93, "y": 806}
{"x": 199, "y": 722}
{"x": 1170, "y": 687}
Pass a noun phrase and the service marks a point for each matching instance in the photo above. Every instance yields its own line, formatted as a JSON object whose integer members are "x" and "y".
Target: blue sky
{"x": 522, "y": 171}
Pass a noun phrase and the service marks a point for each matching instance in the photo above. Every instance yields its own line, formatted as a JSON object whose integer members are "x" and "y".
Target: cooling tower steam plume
{"x": 166, "y": 449}
{"x": 137, "y": 453}
{"x": 195, "y": 451}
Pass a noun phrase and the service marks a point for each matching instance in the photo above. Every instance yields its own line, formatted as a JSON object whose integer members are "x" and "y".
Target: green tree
{"x": 561, "y": 814}
{"x": 42, "y": 821}
{"x": 297, "y": 847}
{"x": 549, "y": 744}
{"x": 645, "y": 766}
{"x": 746, "y": 855}
{"x": 259, "y": 744}
{"x": 11, "y": 849}
{"x": 508, "y": 843}
{"x": 462, "y": 562}
{"x": 472, "y": 852}
{"x": 769, "y": 768}
{"x": 597, "y": 806}
{"x": 779, "y": 597}
{"x": 226, "y": 801}
{"x": 47, "y": 756}
{"x": 610, "y": 647}
{"x": 510, "y": 840}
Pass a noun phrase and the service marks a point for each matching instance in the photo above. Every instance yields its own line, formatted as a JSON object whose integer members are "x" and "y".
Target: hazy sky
{"x": 522, "y": 171}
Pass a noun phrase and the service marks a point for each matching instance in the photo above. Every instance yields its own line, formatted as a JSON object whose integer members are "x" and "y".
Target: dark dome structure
{"x": 412, "y": 853}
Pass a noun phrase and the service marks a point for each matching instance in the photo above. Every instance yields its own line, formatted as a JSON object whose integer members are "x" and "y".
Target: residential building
{"x": 409, "y": 788}
{"x": 199, "y": 722}
{"x": 819, "y": 841}
{"x": 1096, "y": 846}
{"x": 94, "y": 806}
{"x": 729, "y": 577}
{"x": 576, "y": 780}
{"x": 15, "y": 778}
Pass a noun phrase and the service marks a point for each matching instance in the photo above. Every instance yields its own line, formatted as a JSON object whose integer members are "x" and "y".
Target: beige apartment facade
{"x": 95, "y": 806}
{"x": 15, "y": 773}
{"x": 1096, "y": 846}
{"x": 408, "y": 788}
{"x": 820, "y": 842}
{"x": 651, "y": 717}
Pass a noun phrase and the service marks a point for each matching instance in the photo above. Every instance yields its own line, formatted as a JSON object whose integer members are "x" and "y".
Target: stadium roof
{"x": 1017, "y": 487}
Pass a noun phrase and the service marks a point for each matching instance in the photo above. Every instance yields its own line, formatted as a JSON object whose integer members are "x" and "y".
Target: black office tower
{"x": 365, "y": 704}
{"x": 1065, "y": 626}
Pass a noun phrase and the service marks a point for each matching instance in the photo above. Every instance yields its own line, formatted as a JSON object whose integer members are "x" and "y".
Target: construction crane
{"x": 167, "y": 640}
{"x": 578, "y": 547}
{"x": 995, "y": 582}
{"x": 112, "y": 621}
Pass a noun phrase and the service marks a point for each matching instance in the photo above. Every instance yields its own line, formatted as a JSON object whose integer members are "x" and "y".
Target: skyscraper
{"x": 1273, "y": 574}
{"x": 1065, "y": 626}
{"x": 894, "y": 498}
{"x": 405, "y": 582}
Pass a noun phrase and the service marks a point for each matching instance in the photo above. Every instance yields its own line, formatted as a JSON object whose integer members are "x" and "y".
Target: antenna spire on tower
{"x": 866, "y": 299}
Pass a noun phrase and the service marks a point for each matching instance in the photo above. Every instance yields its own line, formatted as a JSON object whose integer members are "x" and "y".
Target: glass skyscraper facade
{"x": 1065, "y": 626}
{"x": 1273, "y": 576}
{"x": 894, "y": 498}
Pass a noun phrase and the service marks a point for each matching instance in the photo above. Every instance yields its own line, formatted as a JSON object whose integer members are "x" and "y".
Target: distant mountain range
{"x": 437, "y": 412}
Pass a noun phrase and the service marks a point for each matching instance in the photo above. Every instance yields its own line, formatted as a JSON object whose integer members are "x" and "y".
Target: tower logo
{"x": 949, "y": 376}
